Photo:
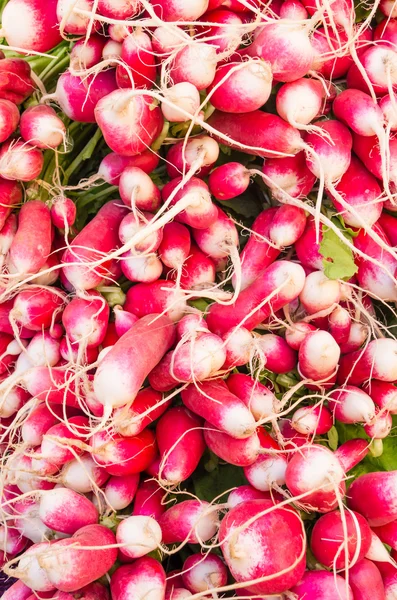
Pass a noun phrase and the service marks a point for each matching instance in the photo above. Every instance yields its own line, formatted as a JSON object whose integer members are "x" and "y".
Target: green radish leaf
{"x": 209, "y": 485}
{"x": 338, "y": 258}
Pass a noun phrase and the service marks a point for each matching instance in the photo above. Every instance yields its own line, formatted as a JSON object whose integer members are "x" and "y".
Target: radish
{"x": 293, "y": 9}
{"x": 10, "y": 196}
{"x": 379, "y": 63}
{"x": 159, "y": 296}
{"x": 69, "y": 21}
{"x": 19, "y": 160}
{"x": 120, "y": 491}
{"x": 238, "y": 452}
{"x": 131, "y": 224}
{"x": 12, "y": 401}
{"x": 42, "y": 350}
{"x": 148, "y": 500}
{"x": 377, "y": 360}
{"x": 228, "y": 181}
{"x": 137, "y": 190}
{"x": 201, "y": 573}
{"x": 183, "y": 96}
{"x": 287, "y": 225}
{"x": 200, "y": 153}
{"x": 17, "y": 591}
{"x": 138, "y": 57}
{"x": 194, "y": 64}
{"x": 266, "y": 472}
{"x": 241, "y": 87}
{"x": 112, "y": 165}
{"x": 338, "y": 545}
{"x": 318, "y": 355}
{"x": 250, "y": 132}
{"x": 111, "y": 52}
{"x": 276, "y": 354}
{"x": 41, "y": 126}
{"x": 123, "y": 359}
{"x": 254, "y": 303}
{"x": 225, "y": 34}
{"x": 319, "y": 293}
{"x": 239, "y": 346}
{"x": 191, "y": 202}
{"x": 37, "y": 307}
{"x": 30, "y": 571}
{"x": 297, "y": 332}
{"x": 300, "y": 102}
{"x": 87, "y": 53}
{"x": 123, "y": 320}
{"x": 85, "y": 320}
{"x": 290, "y": 174}
{"x": 40, "y": 30}
{"x": 379, "y": 487}
{"x": 175, "y": 246}
{"x": 40, "y": 419}
{"x": 16, "y": 81}
{"x": 289, "y": 61}
{"x": 57, "y": 445}
{"x": 128, "y": 121}
{"x": 28, "y": 522}
{"x": 322, "y": 584}
{"x": 78, "y": 97}
{"x": 366, "y": 581}
{"x": 315, "y": 472}
{"x": 278, "y": 561}
{"x": 123, "y": 455}
{"x": 145, "y": 577}
{"x": 191, "y": 521}
{"x": 66, "y": 511}
{"x": 9, "y": 119}
{"x": 380, "y": 426}
{"x": 178, "y": 430}
{"x": 130, "y": 422}
{"x": 385, "y": 32}
{"x": 383, "y": 394}
{"x": 92, "y": 591}
{"x": 63, "y": 212}
{"x": 175, "y": 10}
{"x": 312, "y": 420}
{"x": 213, "y": 401}
{"x": 259, "y": 399}
{"x": 138, "y": 535}
{"x": 86, "y": 247}
{"x": 387, "y": 534}
{"x": 243, "y": 493}
{"x": 119, "y": 9}
{"x": 339, "y": 323}
{"x": 11, "y": 541}
{"x": 83, "y": 474}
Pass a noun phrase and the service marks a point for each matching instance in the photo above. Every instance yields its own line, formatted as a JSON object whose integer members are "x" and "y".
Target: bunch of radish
{"x": 198, "y": 287}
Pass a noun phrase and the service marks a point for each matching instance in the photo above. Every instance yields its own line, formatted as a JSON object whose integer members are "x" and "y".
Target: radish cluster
{"x": 198, "y": 283}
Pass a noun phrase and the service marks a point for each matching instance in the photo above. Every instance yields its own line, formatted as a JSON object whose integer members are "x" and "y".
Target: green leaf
{"x": 338, "y": 258}
{"x": 333, "y": 438}
{"x": 208, "y": 486}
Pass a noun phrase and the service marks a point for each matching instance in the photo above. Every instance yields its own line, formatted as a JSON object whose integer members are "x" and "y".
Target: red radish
{"x": 138, "y": 535}
{"x": 38, "y": 422}
{"x": 69, "y": 21}
{"x": 11, "y": 541}
{"x": 193, "y": 200}
{"x": 319, "y": 293}
{"x": 297, "y": 332}
{"x": 19, "y": 160}
{"x": 119, "y": 32}
{"x": 145, "y": 269}
{"x": 289, "y": 61}
{"x": 159, "y": 296}
{"x": 178, "y": 11}
{"x": 213, "y": 401}
{"x": 66, "y": 511}
{"x": 119, "y": 9}
{"x": 87, "y": 53}
{"x": 43, "y": 350}
{"x": 200, "y": 152}
{"x": 189, "y": 325}
{"x": 92, "y": 591}
{"x": 123, "y": 320}
{"x": 331, "y": 59}
{"x": 178, "y": 430}
{"x": 366, "y": 581}
{"x": 57, "y": 446}
{"x": 12, "y": 401}
{"x": 9, "y": 119}
{"x": 130, "y": 422}
{"x": 381, "y": 425}
{"x": 192, "y": 521}
{"x": 359, "y": 111}
{"x": 152, "y": 335}
{"x": 183, "y": 96}
{"x": 318, "y": 355}
{"x": 201, "y": 573}
{"x": 288, "y": 176}
{"x": 339, "y": 323}
{"x": 128, "y": 121}
{"x": 16, "y": 81}
{"x": 133, "y": 223}
{"x": 379, "y": 63}
{"x": 377, "y": 361}
{"x": 111, "y": 51}
{"x": 17, "y": 591}
{"x": 63, "y": 212}
{"x": 55, "y": 385}
{"x": 199, "y": 358}
{"x": 287, "y": 225}
{"x": 113, "y": 165}
{"x": 259, "y": 399}
{"x": 254, "y": 303}
{"x": 85, "y": 320}
{"x": 388, "y": 224}
{"x": 239, "y": 346}
{"x": 175, "y": 246}
{"x": 276, "y": 354}
{"x": 374, "y": 503}
{"x": 312, "y": 420}
{"x": 383, "y": 394}
{"x": 300, "y": 102}
{"x": 138, "y": 56}
{"x": 167, "y": 39}
{"x": 40, "y": 30}
{"x": 250, "y": 132}
{"x": 315, "y": 472}
{"x": 330, "y": 160}
{"x": 41, "y": 126}
{"x": 266, "y": 472}
{"x": 138, "y": 190}
{"x": 87, "y": 247}
{"x": 78, "y": 96}
{"x": 30, "y": 571}
{"x": 308, "y": 248}
{"x": 120, "y": 491}
{"x": 195, "y": 64}
{"x": 293, "y": 9}
{"x": 10, "y": 195}
{"x": 241, "y": 87}
{"x": 340, "y": 546}
{"x": 145, "y": 577}
{"x": 83, "y": 474}
{"x": 27, "y": 253}
{"x": 243, "y": 493}
{"x": 387, "y": 533}
{"x": 226, "y": 32}
{"x": 386, "y": 32}
{"x": 279, "y": 561}
{"x": 124, "y": 455}
{"x": 322, "y": 584}
{"x": 27, "y": 520}
{"x": 238, "y": 452}
{"x": 228, "y": 181}
{"x": 148, "y": 500}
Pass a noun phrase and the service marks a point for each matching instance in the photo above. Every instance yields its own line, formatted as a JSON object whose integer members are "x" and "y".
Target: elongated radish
{"x": 193, "y": 521}
{"x": 322, "y": 584}
{"x": 85, "y": 320}
{"x": 384, "y": 394}
{"x": 40, "y": 30}
{"x": 228, "y": 181}
{"x": 66, "y": 511}
{"x": 374, "y": 504}
{"x": 378, "y": 360}
{"x": 130, "y": 422}
{"x": 57, "y": 445}
{"x": 138, "y": 190}
{"x": 259, "y": 399}
{"x": 177, "y": 464}
{"x": 87, "y": 53}
{"x": 138, "y": 57}
{"x": 366, "y": 581}
{"x": 148, "y": 500}
{"x": 121, "y": 455}
{"x": 157, "y": 297}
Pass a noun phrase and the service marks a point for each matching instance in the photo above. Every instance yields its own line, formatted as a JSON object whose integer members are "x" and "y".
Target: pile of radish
{"x": 198, "y": 288}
